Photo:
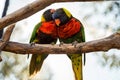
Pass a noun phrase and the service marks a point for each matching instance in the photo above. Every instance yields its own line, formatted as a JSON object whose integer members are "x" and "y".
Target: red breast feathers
{"x": 49, "y": 28}
{"x": 69, "y": 29}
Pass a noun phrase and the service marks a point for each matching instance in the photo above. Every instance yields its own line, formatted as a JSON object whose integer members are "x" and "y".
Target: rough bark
{"x": 105, "y": 44}
{"x": 29, "y": 10}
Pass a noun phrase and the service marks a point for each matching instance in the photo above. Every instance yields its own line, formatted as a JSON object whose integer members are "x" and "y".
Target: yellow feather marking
{"x": 38, "y": 59}
{"x": 36, "y": 40}
{"x": 67, "y": 12}
{"x": 77, "y": 67}
{"x": 42, "y": 19}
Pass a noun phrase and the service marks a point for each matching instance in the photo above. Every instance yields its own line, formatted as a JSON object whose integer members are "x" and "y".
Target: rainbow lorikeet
{"x": 44, "y": 33}
{"x": 70, "y": 30}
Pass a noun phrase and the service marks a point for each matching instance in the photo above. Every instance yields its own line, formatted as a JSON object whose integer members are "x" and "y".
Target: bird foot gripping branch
{"x": 61, "y": 43}
{"x": 74, "y": 44}
{"x": 32, "y": 44}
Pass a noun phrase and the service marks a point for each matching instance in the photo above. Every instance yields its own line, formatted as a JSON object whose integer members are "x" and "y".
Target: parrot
{"x": 43, "y": 33}
{"x": 70, "y": 30}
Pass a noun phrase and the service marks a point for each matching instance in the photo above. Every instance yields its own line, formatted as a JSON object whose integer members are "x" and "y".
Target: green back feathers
{"x": 83, "y": 34}
{"x": 33, "y": 37}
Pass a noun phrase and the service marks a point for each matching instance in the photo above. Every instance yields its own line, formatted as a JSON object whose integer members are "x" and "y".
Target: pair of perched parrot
{"x": 55, "y": 24}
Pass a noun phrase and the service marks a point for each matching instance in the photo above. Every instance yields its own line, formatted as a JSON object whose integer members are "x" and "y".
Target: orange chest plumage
{"x": 49, "y": 28}
{"x": 69, "y": 29}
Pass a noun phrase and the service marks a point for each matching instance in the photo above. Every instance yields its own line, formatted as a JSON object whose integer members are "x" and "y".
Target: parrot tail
{"x": 77, "y": 67}
{"x": 36, "y": 63}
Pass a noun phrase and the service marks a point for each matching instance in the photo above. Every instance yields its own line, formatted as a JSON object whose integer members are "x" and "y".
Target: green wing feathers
{"x": 33, "y": 36}
{"x": 36, "y": 63}
{"x": 34, "y": 32}
{"x": 37, "y": 59}
{"x": 83, "y": 34}
{"x": 39, "y": 38}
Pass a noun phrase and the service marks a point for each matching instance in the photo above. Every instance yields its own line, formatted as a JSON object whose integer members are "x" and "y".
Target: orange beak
{"x": 57, "y": 21}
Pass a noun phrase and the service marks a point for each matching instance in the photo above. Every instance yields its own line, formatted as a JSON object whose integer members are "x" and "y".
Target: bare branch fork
{"x": 6, "y": 37}
{"x": 111, "y": 42}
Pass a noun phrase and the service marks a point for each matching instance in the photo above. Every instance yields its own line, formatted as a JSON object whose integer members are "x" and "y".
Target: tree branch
{"x": 6, "y": 37}
{"x": 111, "y": 42}
{"x": 29, "y": 10}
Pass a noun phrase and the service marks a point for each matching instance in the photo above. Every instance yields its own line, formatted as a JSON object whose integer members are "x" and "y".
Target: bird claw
{"x": 32, "y": 44}
{"x": 74, "y": 44}
{"x": 61, "y": 43}
{"x": 53, "y": 43}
